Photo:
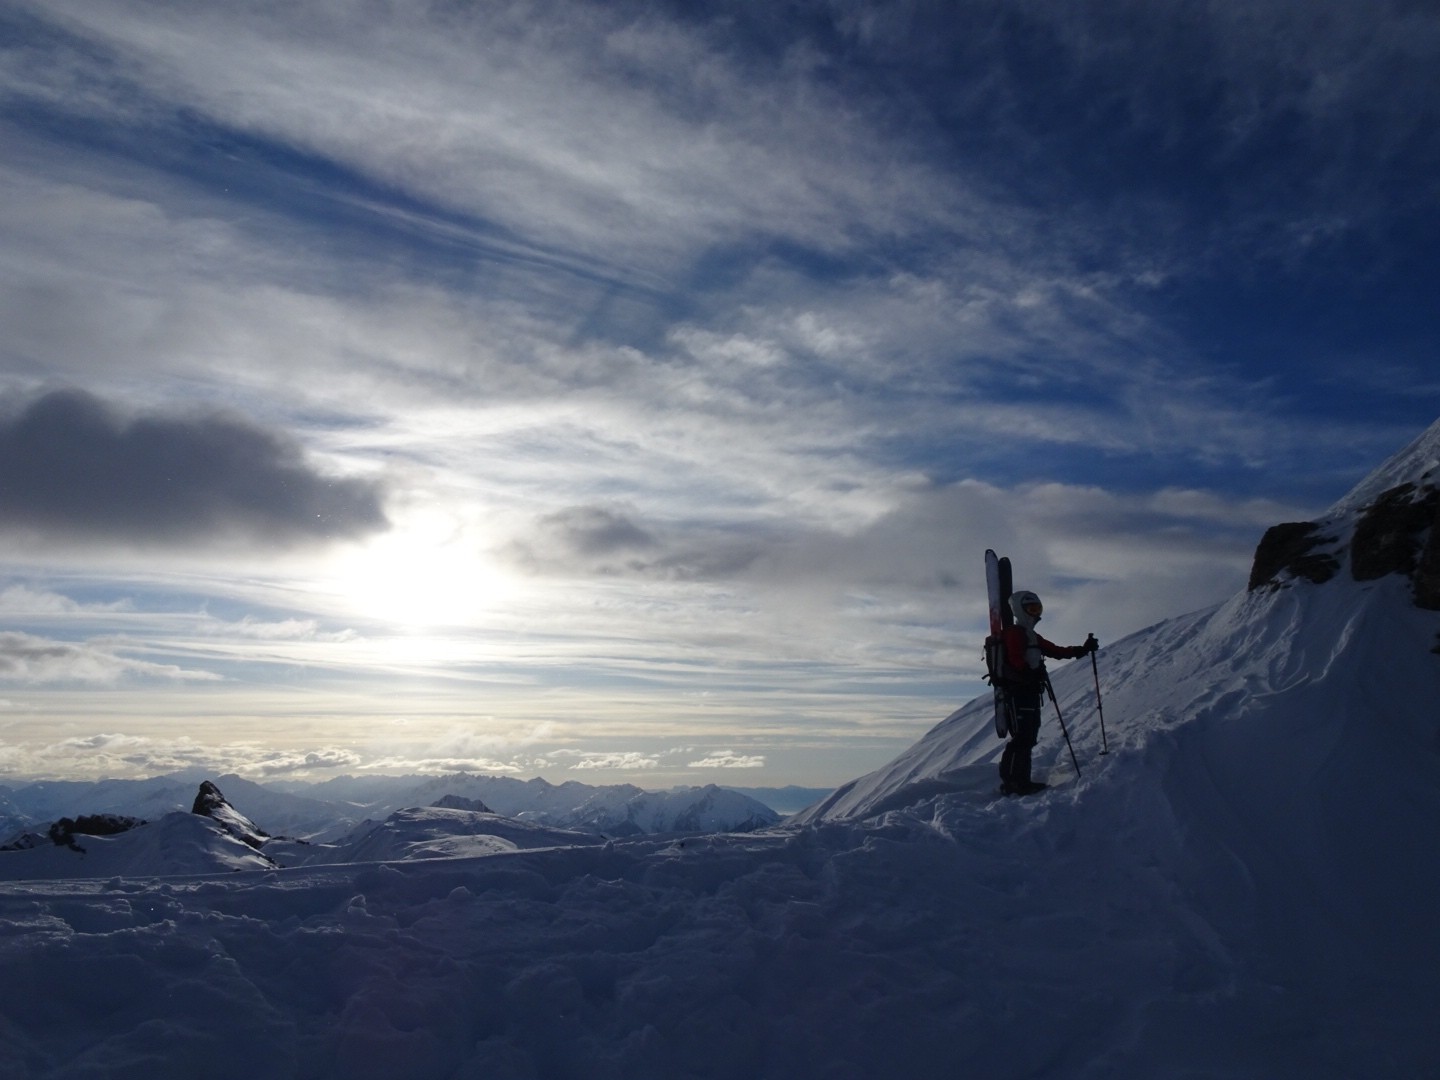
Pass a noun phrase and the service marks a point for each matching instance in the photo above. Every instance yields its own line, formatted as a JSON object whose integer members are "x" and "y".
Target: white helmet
{"x": 1026, "y": 607}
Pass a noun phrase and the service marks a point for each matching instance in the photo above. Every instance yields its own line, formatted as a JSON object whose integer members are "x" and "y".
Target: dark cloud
{"x": 74, "y": 469}
{"x": 610, "y": 543}
{"x": 595, "y": 530}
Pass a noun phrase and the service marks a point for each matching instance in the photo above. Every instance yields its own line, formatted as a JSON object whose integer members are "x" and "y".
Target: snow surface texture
{"x": 1244, "y": 887}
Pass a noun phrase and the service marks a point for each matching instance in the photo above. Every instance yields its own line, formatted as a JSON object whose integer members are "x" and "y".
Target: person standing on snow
{"x": 1025, "y": 653}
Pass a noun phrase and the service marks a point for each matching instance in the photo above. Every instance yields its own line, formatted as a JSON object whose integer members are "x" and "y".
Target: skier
{"x": 1026, "y": 679}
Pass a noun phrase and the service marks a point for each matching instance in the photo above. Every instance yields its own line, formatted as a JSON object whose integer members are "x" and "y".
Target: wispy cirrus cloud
{"x": 24, "y": 600}
{"x": 547, "y": 125}
{"x": 576, "y": 157}
{"x": 31, "y": 660}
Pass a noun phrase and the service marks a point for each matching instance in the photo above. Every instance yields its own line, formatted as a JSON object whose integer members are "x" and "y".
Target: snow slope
{"x": 1332, "y": 674}
{"x": 1345, "y": 664}
{"x": 1244, "y": 887}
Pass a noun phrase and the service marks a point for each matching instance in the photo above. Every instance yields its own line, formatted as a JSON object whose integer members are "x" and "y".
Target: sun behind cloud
{"x": 430, "y": 571}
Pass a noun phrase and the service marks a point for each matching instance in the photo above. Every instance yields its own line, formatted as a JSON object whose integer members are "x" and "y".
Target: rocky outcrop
{"x": 1427, "y": 570}
{"x": 64, "y": 831}
{"x": 1397, "y": 532}
{"x": 1290, "y": 548}
{"x": 1390, "y": 533}
{"x": 459, "y": 802}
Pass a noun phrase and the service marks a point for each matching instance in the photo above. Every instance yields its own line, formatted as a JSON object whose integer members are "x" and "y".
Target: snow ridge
{"x": 1417, "y": 463}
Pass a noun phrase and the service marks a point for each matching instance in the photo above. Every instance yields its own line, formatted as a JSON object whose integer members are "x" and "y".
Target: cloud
{"x": 442, "y": 765}
{"x": 25, "y": 658}
{"x": 1273, "y": 102}
{"x": 125, "y": 753}
{"x": 605, "y": 541}
{"x": 615, "y": 759}
{"x": 921, "y": 542}
{"x": 728, "y": 759}
{"x": 73, "y": 469}
{"x": 734, "y": 336}
{"x": 595, "y": 531}
{"x": 279, "y": 764}
{"x": 617, "y": 133}
{"x": 292, "y": 629}
{"x": 23, "y": 600}
{"x": 730, "y": 317}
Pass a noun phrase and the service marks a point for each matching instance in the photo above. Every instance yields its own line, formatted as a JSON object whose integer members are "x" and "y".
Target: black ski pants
{"x": 1025, "y": 705}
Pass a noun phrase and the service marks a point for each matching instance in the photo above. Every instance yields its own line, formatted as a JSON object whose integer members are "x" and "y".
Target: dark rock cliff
{"x": 1396, "y": 533}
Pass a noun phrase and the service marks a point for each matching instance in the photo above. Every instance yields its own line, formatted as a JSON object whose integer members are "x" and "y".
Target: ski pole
{"x": 1099, "y": 705}
{"x": 1061, "y": 717}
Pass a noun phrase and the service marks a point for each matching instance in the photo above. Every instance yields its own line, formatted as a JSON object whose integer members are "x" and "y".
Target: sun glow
{"x": 428, "y": 572}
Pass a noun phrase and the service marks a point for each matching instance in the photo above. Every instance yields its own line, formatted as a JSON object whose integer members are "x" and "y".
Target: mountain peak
{"x": 459, "y": 802}
{"x": 211, "y": 803}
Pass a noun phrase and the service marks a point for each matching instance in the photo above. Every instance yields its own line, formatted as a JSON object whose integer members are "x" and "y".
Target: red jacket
{"x": 1018, "y": 645}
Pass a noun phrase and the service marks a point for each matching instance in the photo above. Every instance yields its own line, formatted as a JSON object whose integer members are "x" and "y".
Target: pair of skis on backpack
{"x": 999, "y": 584}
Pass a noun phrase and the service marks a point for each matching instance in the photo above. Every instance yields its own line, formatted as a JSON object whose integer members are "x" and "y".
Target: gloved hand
{"x": 1091, "y": 645}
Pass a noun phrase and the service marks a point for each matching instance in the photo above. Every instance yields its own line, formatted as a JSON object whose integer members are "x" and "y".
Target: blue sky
{"x": 629, "y": 391}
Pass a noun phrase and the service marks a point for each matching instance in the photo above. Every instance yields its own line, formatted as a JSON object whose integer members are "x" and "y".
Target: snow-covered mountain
{"x": 286, "y": 814}
{"x": 47, "y": 800}
{"x": 220, "y": 838}
{"x": 456, "y": 826}
{"x": 708, "y": 809}
{"x": 328, "y": 811}
{"x": 1243, "y": 886}
{"x": 438, "y": 832}
{"x": 614, "y": 809}
{"x": 176, "y": 844}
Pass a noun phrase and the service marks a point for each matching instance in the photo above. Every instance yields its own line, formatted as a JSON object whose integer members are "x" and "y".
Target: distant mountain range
{"x": 349, "y": 817}
{"x": 426, "y": 818}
